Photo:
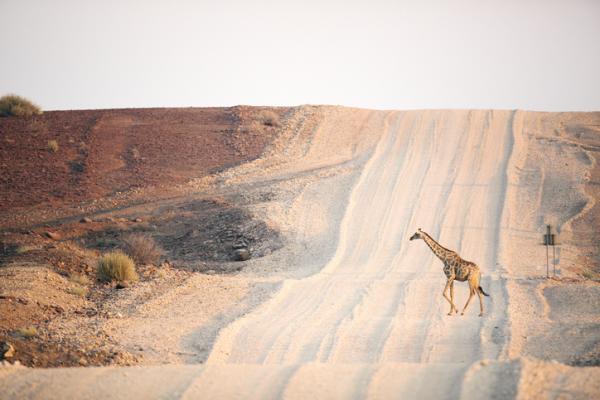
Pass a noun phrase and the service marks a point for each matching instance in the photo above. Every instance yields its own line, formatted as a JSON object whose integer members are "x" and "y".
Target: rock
{"x": 83, "y": 361}
{"x": 52, "y": 235}
{"x": 58, "y": 309}
{"x": 136, "y": 220}
{"x": 122, "y": 285}
{"x": 241, "y": 255}
{"x": 6, "y": 350}
{"x": 85, "y": 220}
{"x": 240, "y": 245}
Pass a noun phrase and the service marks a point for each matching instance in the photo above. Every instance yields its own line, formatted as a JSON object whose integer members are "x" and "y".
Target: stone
{"x": 85, "y": 220}
{"x": 52, "y": 235}
{"x": 6, "y": 350}
{"x": 136, "y": 220}
{"x": 241, "y": 255}
{"x": 240, "y": 245}
{"x": 122, "y": 285}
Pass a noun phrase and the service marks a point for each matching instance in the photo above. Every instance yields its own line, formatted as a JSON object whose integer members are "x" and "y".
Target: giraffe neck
{"x": 435, "y": 247}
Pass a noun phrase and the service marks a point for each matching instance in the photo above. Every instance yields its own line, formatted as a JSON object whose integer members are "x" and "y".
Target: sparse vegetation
{"x": 117, "y": 266}
{"x": 79, "y": 279}
{"x": 13, "y": 105}
{"x": 269, "y": 118}
{"x": 25, "y": 249}
{"x": 77, "y": 291}
{"x": 135, "y": 154}
{"x": 53, "y": 146}
{"x": 142, "y": 248}
{"x": 590, "y": 274}
{"x": 28, "y": 332}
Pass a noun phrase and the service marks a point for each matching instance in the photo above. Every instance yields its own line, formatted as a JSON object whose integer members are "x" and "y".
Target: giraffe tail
{"x": 482, "y": 292}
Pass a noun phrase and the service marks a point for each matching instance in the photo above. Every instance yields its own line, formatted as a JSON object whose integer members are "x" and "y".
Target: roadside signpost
{"x": 549, "y": 240}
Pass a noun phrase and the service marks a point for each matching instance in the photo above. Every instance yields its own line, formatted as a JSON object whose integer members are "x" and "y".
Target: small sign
{"x": 550, "y": 240}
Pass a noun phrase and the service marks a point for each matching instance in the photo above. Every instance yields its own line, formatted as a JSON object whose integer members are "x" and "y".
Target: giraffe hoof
{"x": 481, "y": 315}
{"x": 462, "y": 313}
{"x": 450, "y": 313}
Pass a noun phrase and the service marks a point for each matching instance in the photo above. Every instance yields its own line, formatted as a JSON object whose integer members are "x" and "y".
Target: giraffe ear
{"x": 419, "y": 229}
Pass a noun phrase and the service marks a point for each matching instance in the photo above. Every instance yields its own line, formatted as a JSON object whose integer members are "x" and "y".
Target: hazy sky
{"x": 528, "y": 54}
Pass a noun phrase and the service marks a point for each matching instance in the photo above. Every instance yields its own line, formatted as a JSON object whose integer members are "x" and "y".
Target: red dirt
{"x": 100, "y": 153}
{"x": 106, "y": 151}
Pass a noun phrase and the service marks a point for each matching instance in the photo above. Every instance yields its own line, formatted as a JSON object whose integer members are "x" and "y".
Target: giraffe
{"x": 455, "y": 268}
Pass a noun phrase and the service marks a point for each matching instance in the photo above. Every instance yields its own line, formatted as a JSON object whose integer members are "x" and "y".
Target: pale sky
{"x": 80, "y": 54}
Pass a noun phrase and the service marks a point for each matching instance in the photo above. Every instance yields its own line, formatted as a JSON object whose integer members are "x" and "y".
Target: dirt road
{"x": 371, "y": 321}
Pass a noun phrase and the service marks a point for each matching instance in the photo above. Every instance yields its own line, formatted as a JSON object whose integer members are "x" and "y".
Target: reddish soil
{"x": 142, "y": 155}
{"x": 101, "y": 152}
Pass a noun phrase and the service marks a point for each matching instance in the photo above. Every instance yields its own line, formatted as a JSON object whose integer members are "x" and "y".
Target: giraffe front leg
{"x": 453, "y": 307}
{"x": 448, "y": 284}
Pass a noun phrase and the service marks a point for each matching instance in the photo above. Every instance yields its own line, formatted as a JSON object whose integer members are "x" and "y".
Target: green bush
{"x": 13, "y": 105}
{"x": 117, "y": 266}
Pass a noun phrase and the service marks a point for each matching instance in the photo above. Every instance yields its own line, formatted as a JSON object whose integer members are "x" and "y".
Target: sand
{"x": 354, "y": 309}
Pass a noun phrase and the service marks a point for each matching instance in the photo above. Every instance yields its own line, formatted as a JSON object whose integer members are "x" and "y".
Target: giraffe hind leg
{"x": 473, "y": 288}
{"x": 471, "y": 294}
{"x": 445, "y": 294}
{"x": 480, "y": 302}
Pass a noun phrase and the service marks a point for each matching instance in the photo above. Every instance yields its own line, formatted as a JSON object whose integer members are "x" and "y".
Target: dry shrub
{"x": 142, "y": 248}
{"x": 117, "y": 266}
{"x": 79, "y": 279}
{"x": 269, "y": 118}
{"x": 28, "y": 332}
{"x": 13, "y": 105}
{"x": 25, "y": 249}
{"x": 77, "y": 291}
{"x": 53, "y": 146}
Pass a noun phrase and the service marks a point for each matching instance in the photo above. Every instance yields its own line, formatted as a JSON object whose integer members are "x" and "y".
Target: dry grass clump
{"x": 25, "y": 249}
{"x": 79, "y": 279}
{"x": 117, "y": 266}
{"x": 53, "y": 146}
{"x": 28, "y": 332}
{"x": 269, "y": 118}
{"x": 77, "y": 291}
{"x": 13, "y": 105}
{"x": 142, "y": 248}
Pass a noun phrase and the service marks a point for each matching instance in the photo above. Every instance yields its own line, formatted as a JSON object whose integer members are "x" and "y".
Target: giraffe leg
{"x": 480, "y": 302}
{"x": 468, "y": 300}
{"x": 452, "y": 307}
{"x": 448, "y": 283}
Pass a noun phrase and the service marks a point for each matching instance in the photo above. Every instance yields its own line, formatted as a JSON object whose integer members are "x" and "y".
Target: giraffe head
{"x": 417, "y": 235}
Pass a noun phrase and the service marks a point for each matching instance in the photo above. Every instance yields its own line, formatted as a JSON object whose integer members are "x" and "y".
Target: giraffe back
{"x": 461, "y": 269}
